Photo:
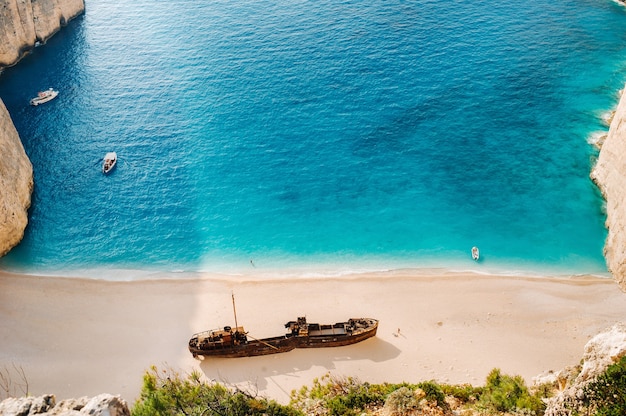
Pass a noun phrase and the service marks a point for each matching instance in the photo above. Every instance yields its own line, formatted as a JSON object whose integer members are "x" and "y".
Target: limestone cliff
{"x": 16, "y": 183}
{"x": 609, "y": 174}
{"x": 22, "y": 24}
{"x": 102, "y": 405}
{"x": 600, "y": 352}
{"x": 25, "y": 22}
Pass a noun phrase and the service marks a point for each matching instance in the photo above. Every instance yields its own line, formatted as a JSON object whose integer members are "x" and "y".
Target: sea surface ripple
{"x": 326, "y": 136}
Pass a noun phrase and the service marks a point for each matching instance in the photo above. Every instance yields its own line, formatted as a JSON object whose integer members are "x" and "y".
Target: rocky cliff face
{"x": 25, "y": 22}
{"x": 600, "y": 352}
{"x": 22, "y": 24}
{"x": 16, "y": 183}
{"x": 46, "y": 405}
{"x": 609, "y": 174}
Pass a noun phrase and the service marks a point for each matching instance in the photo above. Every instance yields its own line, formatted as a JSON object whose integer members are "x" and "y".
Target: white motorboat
{"x": 44, "y": 97}
{"x": 475, "y": 253}
{"x": 110, "y": 160}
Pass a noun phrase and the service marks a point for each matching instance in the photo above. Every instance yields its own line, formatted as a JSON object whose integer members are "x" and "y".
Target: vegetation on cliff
{"x": 605, "y": 396}
{"x": 168, "y": 393}
{"x": 165, "y": 392}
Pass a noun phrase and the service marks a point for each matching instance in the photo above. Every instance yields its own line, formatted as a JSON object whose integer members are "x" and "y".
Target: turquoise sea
{"x": 319, "y": 137}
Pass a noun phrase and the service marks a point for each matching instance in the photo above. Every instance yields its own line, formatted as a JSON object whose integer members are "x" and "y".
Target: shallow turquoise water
{"x": 319, "y": 136}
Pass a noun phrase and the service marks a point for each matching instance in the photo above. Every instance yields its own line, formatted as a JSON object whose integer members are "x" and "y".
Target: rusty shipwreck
{"x": 236, "y": 342}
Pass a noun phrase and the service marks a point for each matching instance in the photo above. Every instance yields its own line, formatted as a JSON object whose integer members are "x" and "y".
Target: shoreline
{"x": 305, "y": 271}
{"x": 82, "y": 336}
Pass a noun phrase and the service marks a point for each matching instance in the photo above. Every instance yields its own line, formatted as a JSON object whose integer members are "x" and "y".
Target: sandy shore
{"x": 81, "y": 337}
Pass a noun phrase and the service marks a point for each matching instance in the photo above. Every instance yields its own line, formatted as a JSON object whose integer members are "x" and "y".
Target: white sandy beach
{"x": 82, "y": 337}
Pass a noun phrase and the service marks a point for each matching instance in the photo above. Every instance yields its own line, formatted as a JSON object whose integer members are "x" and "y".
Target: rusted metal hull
{"x": 316, "y": 336}
{"x": 324, "y": 341}
{"x": 249, "y": 349}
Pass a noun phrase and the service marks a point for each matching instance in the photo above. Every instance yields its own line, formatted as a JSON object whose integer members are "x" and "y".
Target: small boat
{"x": 110, "y": 160}
{"x": 475, "y": 253}
{"x": 44, "y": 97}
{"x": 228, "y": 342}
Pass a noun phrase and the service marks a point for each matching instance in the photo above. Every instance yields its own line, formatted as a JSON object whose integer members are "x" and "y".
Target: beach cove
{"x": 77, "y": 337}
{"x": 351, "y": 202}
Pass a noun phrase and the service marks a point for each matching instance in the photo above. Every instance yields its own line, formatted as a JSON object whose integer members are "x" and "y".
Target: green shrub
{"x": 166, "y": 393}
{"x": 504, "y": 393}
{"x": 403, "y": 401}
{"x": 433, "y": 392}
{"x": 338, "y": 395}
{"x": 424, "y": 398}
{"x": 607, "y": 394}
{"x": 466, "y": 393}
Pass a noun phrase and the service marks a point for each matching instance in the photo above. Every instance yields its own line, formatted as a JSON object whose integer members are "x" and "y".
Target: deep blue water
{"x": 319, "y": 136}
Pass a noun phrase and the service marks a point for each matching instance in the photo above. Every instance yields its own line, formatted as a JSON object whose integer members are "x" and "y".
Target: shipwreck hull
{"x": 228, "y": 344}
{"x": 325, "y": 341}
{"x": 250, "y": 349}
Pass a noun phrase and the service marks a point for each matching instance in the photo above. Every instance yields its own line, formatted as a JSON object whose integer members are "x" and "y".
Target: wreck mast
{"x": 234, "y": 311}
